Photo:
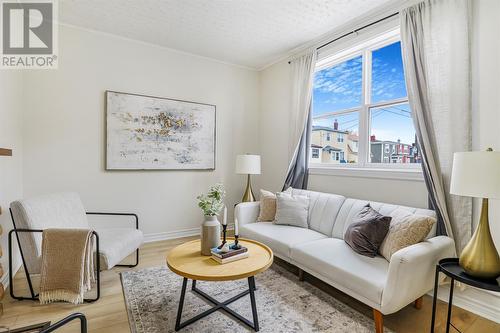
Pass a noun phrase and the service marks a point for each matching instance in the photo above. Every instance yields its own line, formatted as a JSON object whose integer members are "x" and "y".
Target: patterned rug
{"x": 284, "y": 304}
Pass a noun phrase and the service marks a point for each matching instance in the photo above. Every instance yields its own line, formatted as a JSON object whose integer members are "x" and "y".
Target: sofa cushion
{"x": 335, "y": 260}
{"x": 115, "y": 244}
{"x": 280, "y": 238}
{"x": 351, "y": 207}
{"x": 323, "y": 209}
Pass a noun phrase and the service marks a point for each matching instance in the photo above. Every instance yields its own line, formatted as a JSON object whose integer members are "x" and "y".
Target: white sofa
{"x": 321, "y": 251}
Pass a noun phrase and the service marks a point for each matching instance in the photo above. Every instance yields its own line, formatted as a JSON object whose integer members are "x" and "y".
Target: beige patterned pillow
{"x": 405, "y": 230}
{"x": 268, "y": 205}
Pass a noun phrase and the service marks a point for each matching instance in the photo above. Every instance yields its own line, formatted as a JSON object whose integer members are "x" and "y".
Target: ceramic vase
{"x": 210, "y": 235}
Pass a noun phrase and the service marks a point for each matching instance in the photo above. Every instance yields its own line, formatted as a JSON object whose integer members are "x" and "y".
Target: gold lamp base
{"x": 248, "y": 196}
{"x": 480, "y": 258}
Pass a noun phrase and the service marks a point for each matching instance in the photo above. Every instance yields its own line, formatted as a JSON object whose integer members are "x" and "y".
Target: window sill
{"x": 379, "y": 173}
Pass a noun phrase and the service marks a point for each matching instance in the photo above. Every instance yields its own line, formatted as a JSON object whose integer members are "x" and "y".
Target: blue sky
{"x": 340, "y": 87}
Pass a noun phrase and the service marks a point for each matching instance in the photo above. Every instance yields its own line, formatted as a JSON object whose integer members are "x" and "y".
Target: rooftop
{"x": 329, "y": 129}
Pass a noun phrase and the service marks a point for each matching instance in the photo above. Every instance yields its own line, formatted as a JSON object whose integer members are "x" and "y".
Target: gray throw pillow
{"x": 367, "y": 231}
{"x": 291, "y": 210}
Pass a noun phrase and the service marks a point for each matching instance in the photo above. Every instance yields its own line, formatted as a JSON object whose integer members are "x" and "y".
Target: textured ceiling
{"x": 251, "y": 33}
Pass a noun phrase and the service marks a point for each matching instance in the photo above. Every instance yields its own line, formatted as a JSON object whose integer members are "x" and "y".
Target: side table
{"x": 452, "y": 269}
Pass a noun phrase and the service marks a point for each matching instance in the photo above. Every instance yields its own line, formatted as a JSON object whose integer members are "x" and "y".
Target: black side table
{"x": 452, "y": 269}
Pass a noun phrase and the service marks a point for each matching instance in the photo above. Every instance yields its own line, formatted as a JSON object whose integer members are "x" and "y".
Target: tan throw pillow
{"x": 268, "y": 205}
{"x": 405, "y": 230}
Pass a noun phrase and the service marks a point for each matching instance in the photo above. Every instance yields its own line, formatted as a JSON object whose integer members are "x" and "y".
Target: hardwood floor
{"x": 109, "y": 314}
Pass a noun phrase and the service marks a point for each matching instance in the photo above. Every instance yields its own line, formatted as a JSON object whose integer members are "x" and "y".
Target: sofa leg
{"x": 418, "y": 303}
{"x": 301, "y": 275}
{"x": 379, "y": 321}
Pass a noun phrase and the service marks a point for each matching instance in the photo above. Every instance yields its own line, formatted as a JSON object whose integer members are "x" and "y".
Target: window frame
{"x": 365, "y": 49}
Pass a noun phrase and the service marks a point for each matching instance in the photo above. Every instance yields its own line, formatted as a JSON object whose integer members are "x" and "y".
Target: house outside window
{"x": 360, "y": 98}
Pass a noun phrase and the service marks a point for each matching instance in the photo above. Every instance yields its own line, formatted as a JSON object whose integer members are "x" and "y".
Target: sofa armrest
{"x": 411, "y": 272}
{"x": 247, "y": 212}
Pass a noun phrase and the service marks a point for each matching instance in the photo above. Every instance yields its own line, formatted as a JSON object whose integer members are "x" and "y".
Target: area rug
{"x": 284, "y": 304}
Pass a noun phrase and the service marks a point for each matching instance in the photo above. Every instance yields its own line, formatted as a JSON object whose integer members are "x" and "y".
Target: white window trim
{"x": 364, "y": 168}
{"x": 383, "y": 172}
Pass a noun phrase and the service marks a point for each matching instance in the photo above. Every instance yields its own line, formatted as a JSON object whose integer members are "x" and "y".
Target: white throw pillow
{"x": 291, "y": 210}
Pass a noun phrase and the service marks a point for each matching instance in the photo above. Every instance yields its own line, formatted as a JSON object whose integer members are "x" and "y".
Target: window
{"x": 315, "y": 153}
{"x": 360, "y": 99}
{"x": 338, "y": 156}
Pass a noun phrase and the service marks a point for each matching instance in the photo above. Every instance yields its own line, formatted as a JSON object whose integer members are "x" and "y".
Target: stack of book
{"x": 232, "y": 255}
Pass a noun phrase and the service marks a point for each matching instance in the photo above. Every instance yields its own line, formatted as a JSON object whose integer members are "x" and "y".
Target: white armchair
{"x": 65, "y": 210}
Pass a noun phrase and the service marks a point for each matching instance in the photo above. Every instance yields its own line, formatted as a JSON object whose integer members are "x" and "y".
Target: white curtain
{"x": 302, "y": 70}
{"x": 435, "y": 46}
{"x": 302, "y": 76}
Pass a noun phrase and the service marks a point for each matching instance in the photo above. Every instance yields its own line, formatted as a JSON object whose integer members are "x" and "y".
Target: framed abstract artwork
{"x": 153, "y": 133}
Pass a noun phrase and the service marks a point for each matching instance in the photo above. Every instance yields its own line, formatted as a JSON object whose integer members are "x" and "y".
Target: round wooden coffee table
{"x": 186, "y": 260}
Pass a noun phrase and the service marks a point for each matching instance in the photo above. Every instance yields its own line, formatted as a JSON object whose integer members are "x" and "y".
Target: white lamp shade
{"x": 248, "y": 164}
{"x": 476, "y": 174}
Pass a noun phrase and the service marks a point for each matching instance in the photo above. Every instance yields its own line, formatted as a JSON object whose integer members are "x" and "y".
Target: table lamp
{"x": 477, "y": 174}
{"x": 248, "y": 165}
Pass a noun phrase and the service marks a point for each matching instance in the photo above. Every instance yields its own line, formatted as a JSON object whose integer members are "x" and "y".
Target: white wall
{"x": 486, "y": 87}
{"x": 274, "y": 125}
{"x": 402, "y": 192}
{"x": 11, "y": 180}
{"x": 64, "y": 133}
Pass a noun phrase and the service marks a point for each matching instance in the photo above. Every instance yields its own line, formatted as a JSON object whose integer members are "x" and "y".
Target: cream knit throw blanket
{"x": 67, "y": 265}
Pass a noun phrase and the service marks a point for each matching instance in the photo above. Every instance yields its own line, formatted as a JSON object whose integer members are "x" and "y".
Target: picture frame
{"x": 146, "y": 132}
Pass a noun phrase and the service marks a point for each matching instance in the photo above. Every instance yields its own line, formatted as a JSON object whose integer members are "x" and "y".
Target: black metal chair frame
{"x": 64, "y": 321}
{"x": 34, "y": 296}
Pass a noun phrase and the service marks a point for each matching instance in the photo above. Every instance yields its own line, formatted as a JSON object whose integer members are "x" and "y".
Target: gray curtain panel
{"x": 302, "y": 75}
{"x": 298, "y": 175}
{"x": 435, "y": 47}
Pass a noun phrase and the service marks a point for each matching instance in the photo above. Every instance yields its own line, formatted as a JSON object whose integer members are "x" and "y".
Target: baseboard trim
{"x": 155, "y": 237}
{"x": 482, "y": 303}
